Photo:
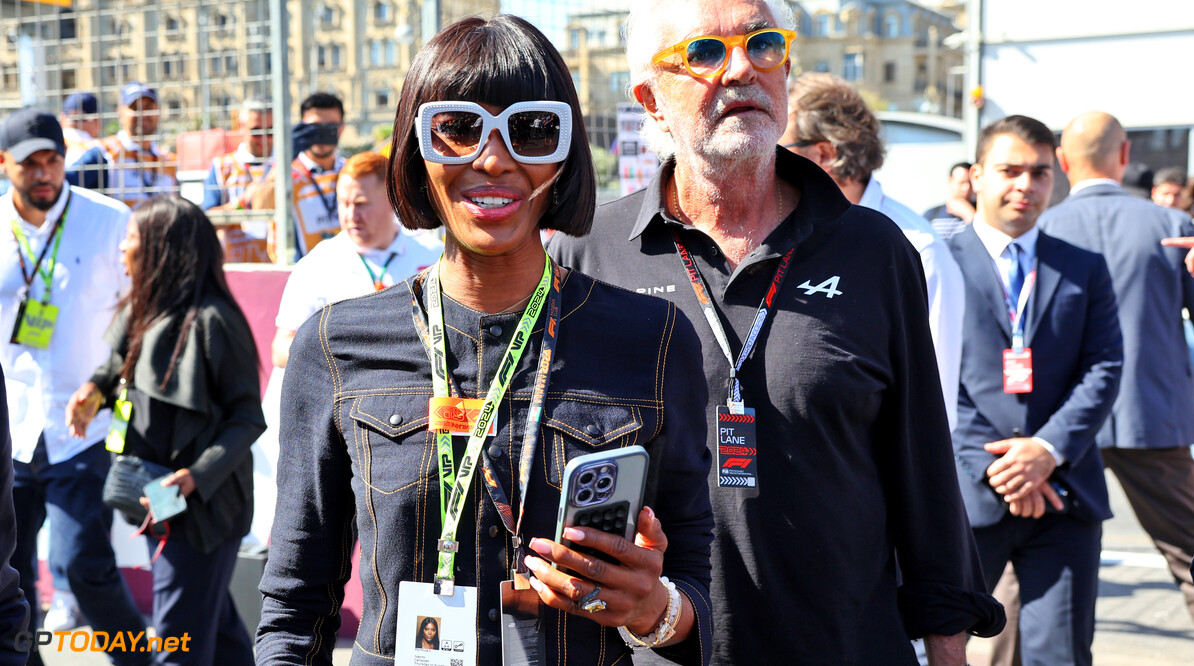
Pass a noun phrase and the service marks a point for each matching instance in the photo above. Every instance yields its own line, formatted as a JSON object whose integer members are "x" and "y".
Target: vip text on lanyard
{"x": 451, "y": 503}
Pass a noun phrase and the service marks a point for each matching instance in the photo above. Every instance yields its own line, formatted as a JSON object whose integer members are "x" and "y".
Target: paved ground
{"x": 1140, "y": 614}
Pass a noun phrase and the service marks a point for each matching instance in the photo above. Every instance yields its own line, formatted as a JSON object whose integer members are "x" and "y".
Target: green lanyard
{"x": 451, "y": 505}
{"x": 377, "y": 279}
{"x": 47, "y": 274}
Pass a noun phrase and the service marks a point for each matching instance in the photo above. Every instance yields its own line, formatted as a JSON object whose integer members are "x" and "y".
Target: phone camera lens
{"x": 584, "y": 496}
{"x": 604, "y": 482}
{"x": 586, "y": 478}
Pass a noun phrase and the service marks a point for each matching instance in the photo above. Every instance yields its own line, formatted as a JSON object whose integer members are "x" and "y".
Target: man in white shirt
{"x": 60, "y": 279}
{"x": 830, "y": 124}
{"x": 370, "y": 253}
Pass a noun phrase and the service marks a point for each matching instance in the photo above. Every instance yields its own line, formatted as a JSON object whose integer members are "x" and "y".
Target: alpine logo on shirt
{"x": 828, "y": 287}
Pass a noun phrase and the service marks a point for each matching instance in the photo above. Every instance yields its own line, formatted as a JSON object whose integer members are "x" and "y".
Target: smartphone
{"x": 604, "y": 491}
{"x": 165, "y": 502}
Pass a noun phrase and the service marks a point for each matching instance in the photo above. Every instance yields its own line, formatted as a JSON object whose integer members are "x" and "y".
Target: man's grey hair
{"x": 254, "y": 105}
{"x": 644, "y": 32}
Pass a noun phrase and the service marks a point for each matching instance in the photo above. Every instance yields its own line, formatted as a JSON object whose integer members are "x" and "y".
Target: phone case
{"x": 165, "y": 502}
{"x": 605, "y": 491}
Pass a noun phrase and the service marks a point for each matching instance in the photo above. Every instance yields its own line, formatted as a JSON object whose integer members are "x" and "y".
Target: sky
{"x": 551, "y": 16}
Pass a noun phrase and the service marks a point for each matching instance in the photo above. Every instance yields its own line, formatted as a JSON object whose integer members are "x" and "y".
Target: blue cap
{"x": 29, "y": 130}
{"x": 81, "y": 103}
{"x": 134, "y": 91}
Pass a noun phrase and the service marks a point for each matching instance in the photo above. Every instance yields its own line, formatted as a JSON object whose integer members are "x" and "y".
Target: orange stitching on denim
{"x": 371, "y": 654}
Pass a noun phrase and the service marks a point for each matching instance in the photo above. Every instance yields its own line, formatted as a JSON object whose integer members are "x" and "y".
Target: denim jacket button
{"x": 493, "y": 531}
{"x": 495, "y": 331}
{"x": 592, "y": 430}
{"x": 495, "y": 451}
{"x": 395, "y": 419}
{"x": 493, "y": 615}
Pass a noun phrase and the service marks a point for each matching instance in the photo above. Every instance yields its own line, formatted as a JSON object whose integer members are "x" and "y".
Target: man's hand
{"x": 1186, "y": 242}
{"x": 1024, "y": 467}
{"x": 960, "y": 208}
{"x": 1033, "y": 505}
{"x": 81, "y": 408}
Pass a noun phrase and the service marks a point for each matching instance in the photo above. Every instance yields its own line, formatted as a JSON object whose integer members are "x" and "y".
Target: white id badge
{"x": 435, "y": 630}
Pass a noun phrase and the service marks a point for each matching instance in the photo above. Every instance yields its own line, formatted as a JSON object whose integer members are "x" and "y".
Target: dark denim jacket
{"x": 357, "y": 461}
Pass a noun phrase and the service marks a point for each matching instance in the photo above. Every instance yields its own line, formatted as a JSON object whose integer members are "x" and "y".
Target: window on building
{"x": 215, "y": 65}
{"x": 375, "y": 47}
{"x": 382, "y": 12}
{"x": 619, "y": 82}
{"x": 574, "y": 39}
{"x": 231, "y": 64}
{"x": 321, "y": 56}
{"x": 391, "y": 52}
{"x": 66, "y": 26}
{"x": 327, "y": 16}
{"x": 221, "y": 21}
{"x": 168, "y": 66}
{"x": 891, "y": 26}
{"x": 824, "y": 25}
{"x": 822, "y": 66}
{"x": 889, "y": 72}
{"x": 597, "y": 38}
{"x": 852, "y": 66}
{"x": 381, "y": 98}
{"x": 336, "y": 56}
{"x": 174, "y": 104}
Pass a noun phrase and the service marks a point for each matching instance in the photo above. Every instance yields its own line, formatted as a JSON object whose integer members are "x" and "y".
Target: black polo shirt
{"x": 854, "y": 454}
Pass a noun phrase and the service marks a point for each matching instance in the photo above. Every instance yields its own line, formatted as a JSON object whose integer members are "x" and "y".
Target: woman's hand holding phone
{"x": 633, "y": 595}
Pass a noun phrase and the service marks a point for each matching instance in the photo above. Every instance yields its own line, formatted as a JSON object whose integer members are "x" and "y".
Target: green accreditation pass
{"x": 36, "y": 319}
{"x": 122, "y": 413}
{"x": 35, "y": 324}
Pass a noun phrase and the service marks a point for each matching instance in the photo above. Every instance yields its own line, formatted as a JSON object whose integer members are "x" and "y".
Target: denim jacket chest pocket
{"x": 575, "y": 426}
{"x": 390, "y": 442}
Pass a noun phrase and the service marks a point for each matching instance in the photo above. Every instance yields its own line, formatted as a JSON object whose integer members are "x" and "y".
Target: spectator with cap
{"x": 80, "y": 124}
{"x": 129, "y": 165}
{"x": 60, "y": 280}
{"x": 234, "y": 178}
{"x": 1167, "y": 187}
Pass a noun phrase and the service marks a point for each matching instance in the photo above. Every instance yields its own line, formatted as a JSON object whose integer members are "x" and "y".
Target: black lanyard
{"x": 54, "y": 239}
{"x": 702, "y": 294}
{"x": 329, "y": 205}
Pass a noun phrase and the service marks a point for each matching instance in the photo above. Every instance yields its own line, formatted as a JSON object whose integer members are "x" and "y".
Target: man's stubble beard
{"x": 716, "y": 140}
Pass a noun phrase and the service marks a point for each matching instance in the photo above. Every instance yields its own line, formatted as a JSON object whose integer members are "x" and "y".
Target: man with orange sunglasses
{"x": 829, "y": 431}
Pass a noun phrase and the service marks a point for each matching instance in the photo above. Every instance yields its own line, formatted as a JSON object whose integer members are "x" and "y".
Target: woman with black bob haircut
{"x": 501, "y": 62}
{"x": 493, "y": 358}
{"x": 184, "y": 358}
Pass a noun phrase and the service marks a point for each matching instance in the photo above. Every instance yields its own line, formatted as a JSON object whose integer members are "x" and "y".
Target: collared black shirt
{"x": 855, "y": 461}
{"x": 357, "y": 461}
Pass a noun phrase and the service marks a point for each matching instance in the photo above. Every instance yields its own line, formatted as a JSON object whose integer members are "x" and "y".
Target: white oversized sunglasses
{"x": 456, "y": 132}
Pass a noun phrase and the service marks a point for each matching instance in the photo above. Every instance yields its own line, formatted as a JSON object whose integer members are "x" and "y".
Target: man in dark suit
{"x": 1146, "y": 442}
{"x": 1041, "y": 364}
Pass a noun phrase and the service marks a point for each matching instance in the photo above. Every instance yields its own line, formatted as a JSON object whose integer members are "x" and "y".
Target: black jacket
{"x": 217, "y": 395}
{"x": 357, "y": 459}
{"x": 14, "y": 611}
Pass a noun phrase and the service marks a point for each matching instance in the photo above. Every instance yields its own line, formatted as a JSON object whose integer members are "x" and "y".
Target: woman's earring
{"x": 555, "y": 195}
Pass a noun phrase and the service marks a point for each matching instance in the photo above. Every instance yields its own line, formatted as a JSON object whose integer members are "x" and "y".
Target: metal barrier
{"x": 204, "y": 59}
